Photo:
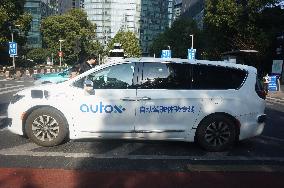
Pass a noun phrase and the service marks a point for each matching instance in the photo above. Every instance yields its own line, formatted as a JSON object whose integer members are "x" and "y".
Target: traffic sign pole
{"x": 13, "y": 51}
{"x": 14, "y": 65}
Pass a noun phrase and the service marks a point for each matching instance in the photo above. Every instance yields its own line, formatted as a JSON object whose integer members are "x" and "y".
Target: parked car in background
{"x": 52, "y": 77}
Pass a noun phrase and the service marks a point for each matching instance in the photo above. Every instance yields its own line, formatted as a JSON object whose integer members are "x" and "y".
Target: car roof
{"x": 168, "y": 60}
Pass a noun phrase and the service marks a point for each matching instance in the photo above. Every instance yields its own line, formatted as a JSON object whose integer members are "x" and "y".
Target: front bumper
{"x": 15, "y": 121}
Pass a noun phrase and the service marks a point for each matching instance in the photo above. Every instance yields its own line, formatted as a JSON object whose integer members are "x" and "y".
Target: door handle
{"x": 128, "y": 99}
{"x": 145, "y": 98}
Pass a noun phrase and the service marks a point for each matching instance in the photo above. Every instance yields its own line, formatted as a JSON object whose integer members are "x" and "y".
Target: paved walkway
{"x": 14, "y": 177}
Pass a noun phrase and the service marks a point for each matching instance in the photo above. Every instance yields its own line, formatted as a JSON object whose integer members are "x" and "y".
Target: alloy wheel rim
{"x": 45, "y": 128}
{"x": 217, "y": 134}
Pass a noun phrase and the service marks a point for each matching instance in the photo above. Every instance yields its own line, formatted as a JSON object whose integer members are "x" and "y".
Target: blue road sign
{"x": 272, "y": 86}
{"x": 191, "y": 53}
{"x": 12, "y": 48}
{"x": 166, "y": 54}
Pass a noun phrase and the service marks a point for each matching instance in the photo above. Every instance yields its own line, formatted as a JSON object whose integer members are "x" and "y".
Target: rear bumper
{"x": 261, "y": 118}
{"x": 251, "y": 125}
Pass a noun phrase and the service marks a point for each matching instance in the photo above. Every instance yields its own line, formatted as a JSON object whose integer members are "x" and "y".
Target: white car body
{"x": 122, "y": 113}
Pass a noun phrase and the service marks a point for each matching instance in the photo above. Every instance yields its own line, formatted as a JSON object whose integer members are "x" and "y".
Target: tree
{"x": 233, "y": 25}
{"x": 77, "y": 32}
{"x": 38, "y": 55}
{"x": 129, "y": 43}
{"x": 12, "y": 14}
{"x": 177, "y": 38}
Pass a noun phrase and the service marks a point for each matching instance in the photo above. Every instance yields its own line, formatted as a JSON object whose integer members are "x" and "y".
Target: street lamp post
{"x": 60, "y": 57}
{"x": 13, "y": 57}
{"x": 12, "y": 37}
{"x": 52, "y": 58}
{"x": 191, "y": 41}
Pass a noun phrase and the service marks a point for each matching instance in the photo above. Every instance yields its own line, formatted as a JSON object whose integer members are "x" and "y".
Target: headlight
{"x": 16, "y": 98}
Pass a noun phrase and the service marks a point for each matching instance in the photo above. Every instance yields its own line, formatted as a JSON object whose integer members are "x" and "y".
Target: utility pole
{"x": 191, "y": 41}
{"x": 60, "y": 57}
{"x": 12, "y": 37}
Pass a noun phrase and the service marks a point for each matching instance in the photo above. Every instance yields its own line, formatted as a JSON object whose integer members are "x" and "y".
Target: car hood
{"x": 54, "y": 88}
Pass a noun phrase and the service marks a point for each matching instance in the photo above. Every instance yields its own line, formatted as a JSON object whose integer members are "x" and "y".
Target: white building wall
{"x": 146, "y": 18}
{"x": 110, "y": 16}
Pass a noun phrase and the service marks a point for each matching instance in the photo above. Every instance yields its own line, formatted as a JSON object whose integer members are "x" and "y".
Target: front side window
{"x": 165, "y": 76}
{"x": 114, "y": 77}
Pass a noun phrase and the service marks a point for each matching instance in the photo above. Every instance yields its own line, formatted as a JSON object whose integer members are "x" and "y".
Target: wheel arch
{"x": 28, "y": 112}
{"x": 235, "y": 121}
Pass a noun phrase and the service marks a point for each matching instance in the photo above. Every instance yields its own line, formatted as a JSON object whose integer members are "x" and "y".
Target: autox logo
{"x": 102, "y": 108}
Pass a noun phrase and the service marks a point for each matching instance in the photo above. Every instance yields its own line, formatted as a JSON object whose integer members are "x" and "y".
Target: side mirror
{"x": 88, "y": 87}
{"x": 88, "y": 83}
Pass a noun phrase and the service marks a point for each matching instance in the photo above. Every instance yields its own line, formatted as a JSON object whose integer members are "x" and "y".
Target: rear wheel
{"x": 216, "y": 133}
{"x": 46, "y": 126}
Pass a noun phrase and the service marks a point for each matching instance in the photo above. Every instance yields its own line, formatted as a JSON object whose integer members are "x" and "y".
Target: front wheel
{"x": 46, "y": 127}
{"x": 216, "y": 133}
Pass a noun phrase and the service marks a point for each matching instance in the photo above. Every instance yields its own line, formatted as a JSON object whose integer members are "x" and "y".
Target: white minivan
{"x": 211, "y": 102}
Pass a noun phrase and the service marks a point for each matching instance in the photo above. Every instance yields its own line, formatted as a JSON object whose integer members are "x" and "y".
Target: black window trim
{"x": 228, "y": 67}
{"x": 140, "y": 67}
{"x": 135, "y": 74}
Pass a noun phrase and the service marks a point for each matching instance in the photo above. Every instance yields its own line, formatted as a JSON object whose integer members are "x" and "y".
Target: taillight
{"x": 259, "y": 89}
{"x": 261, "y": 94}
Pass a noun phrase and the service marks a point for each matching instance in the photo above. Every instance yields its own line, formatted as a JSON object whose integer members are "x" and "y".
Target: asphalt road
{"x": 118, "y": 159}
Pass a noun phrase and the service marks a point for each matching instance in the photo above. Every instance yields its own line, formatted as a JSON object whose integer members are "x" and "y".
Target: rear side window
{"x": 217, "y": 77}
{"x": 165, "y": 76}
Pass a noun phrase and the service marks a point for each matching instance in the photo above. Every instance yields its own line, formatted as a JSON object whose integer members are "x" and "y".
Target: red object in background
{"x": 50, "y": 178}
{"x": 60, "y": 53}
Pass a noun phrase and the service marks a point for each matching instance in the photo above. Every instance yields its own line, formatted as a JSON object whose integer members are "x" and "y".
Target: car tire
{"x": 216, "y": 133}
{"x": 46, "y": 126}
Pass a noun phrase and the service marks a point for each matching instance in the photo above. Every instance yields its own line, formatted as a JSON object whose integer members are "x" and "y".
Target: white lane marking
{"x": 5, "y": 88}
{"x": 25, "y": 150}
{"x": 12, "y": 152}
{"x": 13, "y": 90}
{"x": 3, "y": 117}
{"x": 272, "y": 138}
{"x": 4, "y": 129}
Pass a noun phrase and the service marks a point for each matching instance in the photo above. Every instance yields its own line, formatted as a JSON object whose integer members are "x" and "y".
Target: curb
{"x": 276, "y": 99}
